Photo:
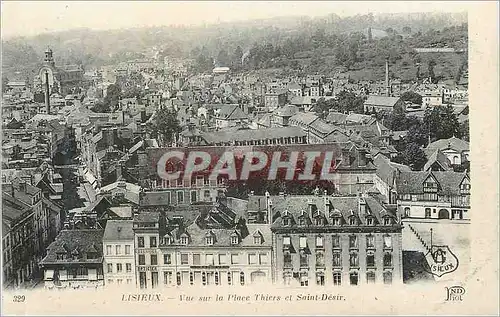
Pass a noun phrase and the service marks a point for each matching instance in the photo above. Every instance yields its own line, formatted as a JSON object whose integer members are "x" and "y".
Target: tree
{"x": 165, "y": 126}
{"x": 412, "y": 156}
{"x": 113, "y": 96}
{"x": 236, "y": 58}
{"x": 411, "y": 96}
{"x": 223, "y": 58}
{"x": 442, "y": 123}
{"x": 407, "y": 30}
{"x": 430, "y": 69}
{"x": 464, "y": 131}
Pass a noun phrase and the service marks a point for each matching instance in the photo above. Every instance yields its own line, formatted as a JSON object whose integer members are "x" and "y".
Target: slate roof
{"x": 69, "y": 242}
{"x": 412, "y": 182}
{"x": 304, "y": 117}
{"x": 343, "y": 207}
{"x": 438, "y": 157}
{"x": 336, "y": 117}
{"x": 388, "y": 171}
{"x": 231, "y": 112}
{"x": 119, "y": 230}
{"x": 381, "y": 101}
{"x": 286, "y": 111}
{"x": 249, "y": 135}
{"x": 451, "y": 143}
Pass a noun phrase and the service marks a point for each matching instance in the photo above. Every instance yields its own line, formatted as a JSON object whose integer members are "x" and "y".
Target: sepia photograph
{"x": 163, "y": 157}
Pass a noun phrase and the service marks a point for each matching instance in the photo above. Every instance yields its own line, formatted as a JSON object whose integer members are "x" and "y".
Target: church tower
{"x": 49, "y": 58}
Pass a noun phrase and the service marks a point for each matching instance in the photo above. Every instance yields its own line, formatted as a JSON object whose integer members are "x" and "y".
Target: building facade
{"x": 118, "y": 248}
{"x": 335, "y": 241}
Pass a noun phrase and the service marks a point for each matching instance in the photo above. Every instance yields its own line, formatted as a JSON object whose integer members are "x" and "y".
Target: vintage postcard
{"x": 249, "y": 158}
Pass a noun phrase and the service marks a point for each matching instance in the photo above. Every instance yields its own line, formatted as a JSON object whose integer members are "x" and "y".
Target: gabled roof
{"x": 118, "y": 230}
{"x": 382, "y": 101}
{"x": 451, "y": 143}
{"x": 440, "y": 158}
{"x": 304, "y": 117}
{"x": 448, "y": 182}
{"x": 82, "y": 241}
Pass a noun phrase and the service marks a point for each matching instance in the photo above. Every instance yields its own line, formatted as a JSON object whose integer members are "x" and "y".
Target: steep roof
{"x": 304, "y": 117}
{"x": 438, "y": 157}
{"x": 249, "y": 135}
{"x": 78, "y": 243}
{"x": 119, "y": 230}
{"x": 448, "y": 182}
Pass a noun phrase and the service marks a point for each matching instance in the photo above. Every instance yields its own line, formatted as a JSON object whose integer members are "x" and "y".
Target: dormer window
{"x": 209, "y": 240}
{"x": 302, "y": 221}
{"x": 257, "y": 239}
{"x": 184, "y": 240}
{"x": 319, "y": 221}
{"x": 286, "y": 221}
{"x": 352, "y": 221}
{"x": 302, "y": 242}
{"x": 168, "y": 240}
{"x": 234, "y": 239}
{"x": 369, "y": 221}
{"x": 336, "y": 221}
{"x": 387, "y": 221}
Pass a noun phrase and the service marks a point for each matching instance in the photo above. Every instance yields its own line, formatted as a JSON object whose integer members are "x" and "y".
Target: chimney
{"x": 310, "y": 205}
{"x": 22, "y": 186}
{"x": 119, "y": 169}
{"x": 47, "y": 94}
{"x": 361, "y": 157}
{"x": 326, "y": 203}
{"x": 387, "y": 87}
{"x": 361, "y": 205}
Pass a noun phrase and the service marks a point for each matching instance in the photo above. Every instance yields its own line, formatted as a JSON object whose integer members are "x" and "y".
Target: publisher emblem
{"x": 441, "y": 260}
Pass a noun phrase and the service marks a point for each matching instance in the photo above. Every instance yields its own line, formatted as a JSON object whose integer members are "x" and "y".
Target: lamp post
{"x": 431, "y": 237}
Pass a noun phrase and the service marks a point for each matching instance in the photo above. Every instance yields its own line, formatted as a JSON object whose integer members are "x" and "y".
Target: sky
{"x": 24, "y": 18}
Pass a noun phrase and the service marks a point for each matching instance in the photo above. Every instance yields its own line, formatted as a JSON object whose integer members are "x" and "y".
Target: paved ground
{"x": 454, "y": 234}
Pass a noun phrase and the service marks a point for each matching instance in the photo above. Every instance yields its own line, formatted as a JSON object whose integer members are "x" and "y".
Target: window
{"x": 180, "y": 197}
{"x": 209, "y": 240}
{"x": 152, "y": 242}
{"x": 216, "y": 278}
{"x": 167, "y": 278}
{"x": 286, "y": 221}
{"x": 353, "y": 242}
{"x": 196, "y": 259}
{"x": 234, "y": 239}
{"x": 387, "y": 259}
{"x": 304, "y": 279}
{"x": 154, "y": 279}
{"x": 108, "y": 250}
{"x": 127, "y": 249}
{"x": 370, "y": 241}
{"x": 304, "y": 261}
{"x": 387, "y": 221}
{"x": 235, "y": 258}
{"x": 319, "y": 221}
{"x": 286, "y": 241}
{"x": 242, "y": 278}
{"x": 257, "y": 239}
{"x": 167, "y": 258}
{"x": 193, "y": 196}
{"x": 168, "y": 240}
{"x": 287, "y": 259}
{"x": 427, "y": 212}
{"x": 320, "y": 259}
{"x": 119, "y": 267}
{"x": 222, "y": 259}
{"x": 154, "y": 259}
{"x": 191, "y": 278}
{"x": 209, "y": 259}
{"x": 184, "y": 240}
{"x": 229, "y": 278}
{"x": 110, "y": 281}
{"x": 140, "y": 242}
{"x": 336, "y": 242}
{"x": 128, "y": 267}
{"x": 252, "y": 259}
{"x": 337, "y": 278}
{"x": 129, "y": 281}
{"x": 319, "y": 242}
{"x": 387, "y": 242}
{"x": 302, "y": 242}
{"x": 353, "y": 277}
{"x": 353, "y": 259}
{"x": 387, "y": 277}
{"x": 370, "y": 259}
{"x": 118, "y": 249}
{"x": 336, "y": 221}
{"x": 337, "y": 259}
{"x": 287, "y": 278}
{"x": 184, "y": 258}
{"x": 369, "y": 221}
{"x": 263, "y": 259}
{"x": 179, "y": 278}
{"x": 110, "y": 268}
{"x": 320, "y": 278}
{"x": 352, "y": 221}
{"x": 142, "y": 259}
{"x": 370, "y": 277}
